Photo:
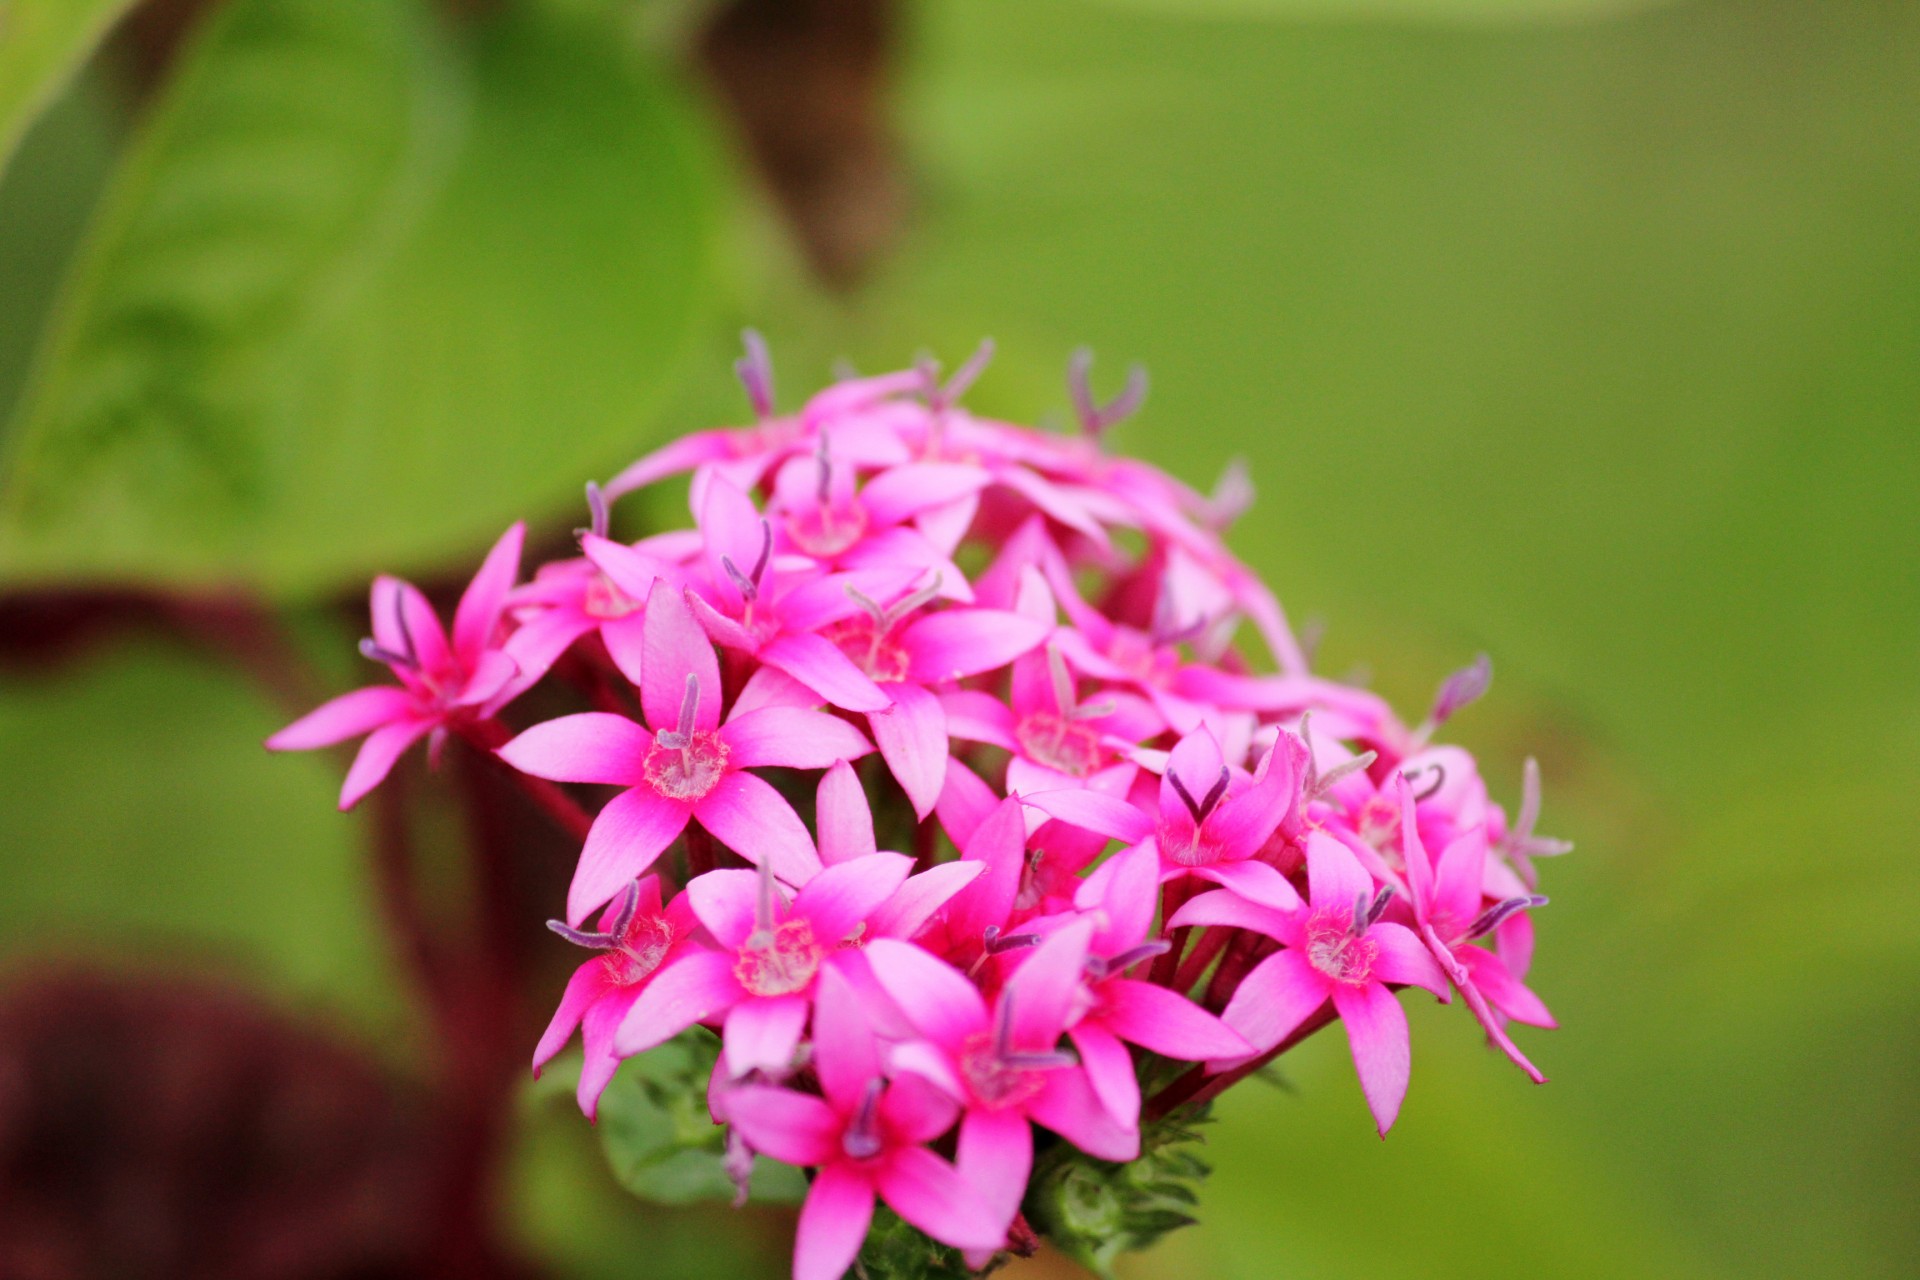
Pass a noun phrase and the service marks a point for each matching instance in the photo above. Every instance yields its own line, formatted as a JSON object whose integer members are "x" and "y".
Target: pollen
{"x": 689, "y": 772}
{"x": 780, "y": 961}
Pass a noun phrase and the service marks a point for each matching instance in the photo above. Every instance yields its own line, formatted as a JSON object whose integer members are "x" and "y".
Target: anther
{"x": 1497, "y": 914}
{"x": 598, "y": 514}
{"x": 998, "y": 943}
{"x": 371, "y": 650}
{"x": 861, "y": 1139}
{"x": 748, "y": 584}
{"x": 680, "y": 737}
{"x": 615, "y": 936}
{"x": 1456, "y": 692}
{"x": 1099, "y": 967}
{"x": 944, "y": 398}
{"x": 1432, "y": 789}
{"x": 1200, "y": 808}
{"x": 755, "y": 371}
{"x": 1097, "y": 419}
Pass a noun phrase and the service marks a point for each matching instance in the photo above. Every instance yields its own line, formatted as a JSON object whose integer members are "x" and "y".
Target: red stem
{"x": 1196, "y": 1086}
{"x": 1212, "y": 942}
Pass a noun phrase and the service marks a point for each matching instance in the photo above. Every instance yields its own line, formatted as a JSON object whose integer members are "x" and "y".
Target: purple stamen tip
{"x": 755, "y": 371}
{"x": 1432, "y": 789}
{"x": 628, "y": 909}
{"x": 1097, "y": 419}
{"x": 1498, "y": 914}
{"x": 965, "y": 376}
{"x": 1461, "y": 689}
{"x": 1106, "y": 966}
{"x": 998, "y": 943}
{"x": 1200, "y": 808}
{"x": 680, "y": 737}
{"x": 823, "y": 462}
{"x": 861, "y": 1139}
{"x": 582, "y": 937}
{"x": 371, "y": 651}
{"x": 601, "y": 519}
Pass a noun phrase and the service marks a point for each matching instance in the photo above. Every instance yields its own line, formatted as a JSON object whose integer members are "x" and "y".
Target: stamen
{"x": 582, "y": 937}
{"x": 1167, "y": 630}
{"x": 748, "y": 584}
{"x": 1094, "y": 710}
{"x": 1497, "y": 914}
{"x": 861, "y": 1139}
{"x": 1200, "y": 808}
{"x": 1460, "y": 690}
{"x": 1312, "y": 632}
{"x": 867, "y": 604}
{"x": 680, "y": 737}
{"x": 964, "y": 377}
{"x": 763, "y": 901}
{"x": 1099, "y": 967}
{"x": 1232, "y": 494}
{"x": 1063, "y": 692}
{"x": 823, "y": 483}
{"x": 629, "y": 907}
{"x": 1439, "y": 772}
{"x": 1321, "y": 784}
{"x": 615, "y": 936}
{"x": 371, "y": 650}
{"x": 597, "y": 507}
{"x": 1097, "y": 419}
{"x": 755, "y": 371}
{"x": 998, "y": 943}
{"x": 1374, "y": 911}
{"x": 1520, "y": 841}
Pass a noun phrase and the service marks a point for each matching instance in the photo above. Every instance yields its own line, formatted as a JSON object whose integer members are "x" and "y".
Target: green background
{"x": 1586, "y": 335}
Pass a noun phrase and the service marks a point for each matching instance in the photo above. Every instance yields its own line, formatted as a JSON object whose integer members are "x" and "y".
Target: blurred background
{"x": 1584, "y": 332}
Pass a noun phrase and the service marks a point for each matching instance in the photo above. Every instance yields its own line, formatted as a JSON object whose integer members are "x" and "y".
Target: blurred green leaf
{"x": 42, "y": 43}
{"x": 1422, "y": 11}
{"x": 660, "y": 1139}
{"x": 365, "y": 291}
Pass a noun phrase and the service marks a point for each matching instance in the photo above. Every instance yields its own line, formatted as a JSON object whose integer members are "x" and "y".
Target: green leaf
{"x": 1472, "y": 12}
{"x": 660, "y": 1139}
{"x": 42, "y": 43}
{"x": 364, "y": 293}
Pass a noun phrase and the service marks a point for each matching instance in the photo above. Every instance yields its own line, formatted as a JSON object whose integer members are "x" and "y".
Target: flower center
{"x": 689, "y": 772}
{"x": 823, "y": 532}
{"x": 780, "y": 961}
{"x": 1333, "y": 949}
{"x": 1059, "y": 743}
{"x": 996, "y": 1083}
{"x": 872, "y": 648}
{"x": 604, "y": 600}
{"x": 640, "y": 951}
{"x": 1379, "y": 821}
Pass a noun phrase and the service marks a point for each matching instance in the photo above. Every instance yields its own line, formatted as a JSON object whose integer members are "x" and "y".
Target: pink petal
{"x": 725, "y": 902}
{"x": 833, "y": 1223}
{"x": 1227, "y": 909}
{"x": 1109, "y": 1069}
{"x": 631, "y": 570}
{"x": 842, "y": 816}
{"x": 965, "y": 801}
{"x": 1279, "y": 994}
{"x": 681, "y": 455}
{"x": 935, "y": 997}
{"x": 677, "y": 648}
{"x": 377, "y": 755}
{"x": 1458, "y": 877}
{"x": 1249, "y": 815}
{"x": 1257, "y": 882}
{"x": 976, "y": 716}
{"x": 915, "y": 1109}
{"x": 845, "y": 1053}
{"x": 1000, "y": 842}
{"x": 629, "y": 833}
{"x": 1403, "y": 958}
{"x": 1125, "y": 889}
{"x": 935, "y": 1197}
{"x": 1091, "y": 811}
{"x": 955, "y": 643}
{"x": 763, "y": 1032}
{"x": 1507, "y": 993}
{"x": 840, "y": 898}
{"x": 1196, "y": 761}
{"x": 996, "y": 1155}
{"x": 698, "y": 987}
{"x": 733, "y": 528}
{"x": 926, "y": 1062}
{"x": 1043, "y": 991}
{"x": 478, "y": 613}
{"x": 1335, "y": 878}
{"x": 1413, "y": 853}
{"x": 539, "y": 641}
{"x": 902, "y": 492}
{"x": 599, "y": 1063}
{"x": 1067, "y": 1105}
{"x": 347, "y": 716}
{"x": 756, "y": 822}
{"x": 820, "y": 665}
{"x": 912, "y": 736}
{"x": 1167, "y": 1023}
{"x": 908, "y": 910}
{"x": 790, "y": 738}
{"x": 768, "y": 687}
{"x": 419, "y": 634}
{"x": 793, "y": 1127}
{"x": 593, "y": 746}
{"x": 1377, "y": 1032}
{"x": 583, "y": 988}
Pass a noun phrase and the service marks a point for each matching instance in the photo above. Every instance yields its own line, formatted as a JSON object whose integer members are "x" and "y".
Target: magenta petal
{"x": 633, "y": 572}
{"x": 833, "y": 1223}
{"x": 1092, "y": 811}
{"x": 845, "y": 1054}
{"x": 996, "y": 1155}
{"x": 1067, "y": 1105}
{"x": 478, "y": 613}
{"x": 935, "y": 997}
{"x": 839, "y": 899}
{"x": 935, "y": 1197}
{"x": 956, "y": 643}
{"x": 1257, "y": 882}
{"x": 676, "y": 647}
{"x": 790, "y": 738}
{"x": 1109, "y": 1069}
{"x": 600, "y": 1061}
{"x": 1403, "y": 958}
{"x": 697, "y": 987}
{"x": 1279, "y": 994}
{"x": 377, "y": 755}
{"x": 999, "y": 842}
{"x": 794, "y": 1127}
{"x": 1335, "y": 878}
{"x": 842, "y": 816}
{"x": 912, "y": 736}
{"x": 901, "y": 492}
{"x": 583, "y": 988}
{"x": 683, "y": 454}
{"x": 725, "y": 901}
{"x": 1167, "y": 1023}
{"x": 1226, "y": 909}
{"x": 1507, "y": 993}
{"x": 763, "y": 1032}
{"x": 965, "y": 801}
{"x": 626, "y": 837}
{"x": 404, "y": 622}
{"x": 1377, "y": 1032}
{"x": 347, "y": 716}
{"x": 1125, "y": 890}
{"x": 908, "y": 910}
{"x": 1044, "y": 989}
{"x": 820, "y": 665}
{"x": 593, "y": 746}
{"x": 756, "y": 822}
{"x": 539, "y": 641}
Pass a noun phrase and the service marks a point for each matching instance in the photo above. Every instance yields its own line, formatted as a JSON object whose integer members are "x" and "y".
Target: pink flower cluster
{"x": 1018, "y": 651}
